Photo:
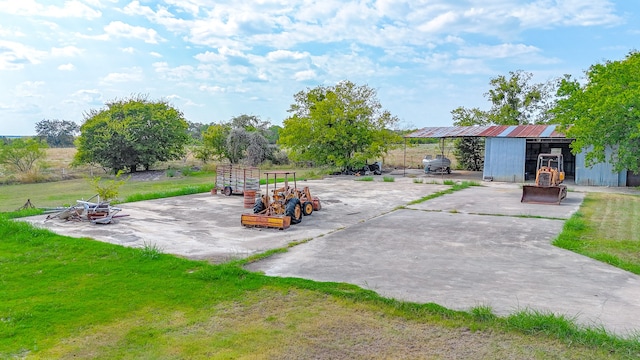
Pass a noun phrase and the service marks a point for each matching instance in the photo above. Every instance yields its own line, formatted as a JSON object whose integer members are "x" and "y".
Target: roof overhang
{"x": 512, "y": 131}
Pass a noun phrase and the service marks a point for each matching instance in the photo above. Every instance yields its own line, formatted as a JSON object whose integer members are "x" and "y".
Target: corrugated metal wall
{"x": 504, "y": 159}
{"x": 599, "y": 174}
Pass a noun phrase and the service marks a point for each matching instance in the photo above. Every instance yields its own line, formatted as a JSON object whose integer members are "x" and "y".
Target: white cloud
{"x": 178, "y": 73}
{"x": 446, "y": 63}
{"x": 211, "y": 89}
{"x": 498, "y": 51}
{"x": 133, "y": 75}
{"x": 86, "y": 97}
{"x": 155, "y": 54}
{"x": 66, "y": 67}
{"x": 439, "y": 23}
{"x": 10, "y": 32}
{"x": 67, "y": 51}
{"x": 542, "y": 13}
{"x": 29, "y": 89}
{"x": 128, "y": 50}
{"x": 70, "y": 9}
{"x": 162, "y": 16}
{"x": 134, "y": 8}
{"x": 286, "y": 55}
{"x": 209, "y": 57}
{"x": 14, "y": 55}
{"x": 120, "y": 29}
{"x": 305, "y": 75}
{"x": 192, "y": 7}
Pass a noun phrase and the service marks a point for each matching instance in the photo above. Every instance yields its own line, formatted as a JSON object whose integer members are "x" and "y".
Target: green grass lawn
{"x": 61, "y": 193}
{"x": 64, "y": 193}
{"x": 606, "y": 228}
{"x": 63, "y": 297}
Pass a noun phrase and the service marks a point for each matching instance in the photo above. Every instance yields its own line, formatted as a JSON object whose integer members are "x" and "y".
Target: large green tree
{"x": 130, "y": 133}
{"x": 57, "y": 133}
{"x": 214, "y": 143}
{"x": 604, "y": 112}
{"x": 342, "y": 125}
{"x": 244, "y": 138}
{"x": 469, "y": 150}
{"x": 515, "y": 100}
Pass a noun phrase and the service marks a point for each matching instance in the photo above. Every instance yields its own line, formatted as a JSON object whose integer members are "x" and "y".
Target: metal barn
{"x": 511, "y": 153}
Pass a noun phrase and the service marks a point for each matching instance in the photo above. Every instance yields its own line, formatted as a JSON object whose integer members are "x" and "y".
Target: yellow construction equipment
{"x": 284, "y": 207}
{"x": 548, "y": 188}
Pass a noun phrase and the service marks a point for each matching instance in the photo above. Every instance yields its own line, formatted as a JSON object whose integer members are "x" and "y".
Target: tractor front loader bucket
{"x": 266, "y": 221}
{"x": 543, "y": 194}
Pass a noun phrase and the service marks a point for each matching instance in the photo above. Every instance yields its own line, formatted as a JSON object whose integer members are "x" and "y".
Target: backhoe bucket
{"x": 543, "y": 194}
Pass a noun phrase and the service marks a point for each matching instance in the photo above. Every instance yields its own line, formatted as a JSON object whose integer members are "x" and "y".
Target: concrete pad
{"x": 461, "y": 261}
{"x": 503, "y": 199}
{"x": 427, "y": 253}
{"x": 205, "y": 226}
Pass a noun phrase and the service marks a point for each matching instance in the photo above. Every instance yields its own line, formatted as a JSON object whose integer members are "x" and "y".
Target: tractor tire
{"x": 227, "y": 190}
{"x": 307, "y": 208}
{"x": 294, "y": 210}
{"x": 258, "y": 207}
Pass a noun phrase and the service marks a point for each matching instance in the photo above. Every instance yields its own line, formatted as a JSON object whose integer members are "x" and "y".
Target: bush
{"x": 109, "y": 189}
{"x": 187, "y": 171}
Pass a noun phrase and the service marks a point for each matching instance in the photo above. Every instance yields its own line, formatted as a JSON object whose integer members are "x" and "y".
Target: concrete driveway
{"x": 478, "y": 246}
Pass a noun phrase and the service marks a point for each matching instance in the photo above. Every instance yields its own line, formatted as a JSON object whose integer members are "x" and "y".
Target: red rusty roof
{"x": 515, "y": 131}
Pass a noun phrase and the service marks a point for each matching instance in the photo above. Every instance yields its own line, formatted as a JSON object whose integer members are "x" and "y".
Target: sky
{"x": 216, "y": 59}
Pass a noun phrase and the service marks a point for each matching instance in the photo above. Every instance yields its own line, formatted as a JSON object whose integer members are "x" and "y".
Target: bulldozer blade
{"x": 543, "y": 194}
{"x": 266, "y": 221}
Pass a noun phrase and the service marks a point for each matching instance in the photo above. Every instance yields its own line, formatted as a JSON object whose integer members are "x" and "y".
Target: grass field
{"x": 607, "y": 229}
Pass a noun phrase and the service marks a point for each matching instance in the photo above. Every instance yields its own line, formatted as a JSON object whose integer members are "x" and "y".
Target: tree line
{"x": 601, "y": 112}
{"x": 345, "y": 125}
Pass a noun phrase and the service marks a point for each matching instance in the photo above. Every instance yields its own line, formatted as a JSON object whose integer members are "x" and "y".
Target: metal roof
{"x": 514, "y": 131}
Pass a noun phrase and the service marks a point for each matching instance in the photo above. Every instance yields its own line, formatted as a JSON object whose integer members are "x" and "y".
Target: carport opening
{"x": 548, "y": 146}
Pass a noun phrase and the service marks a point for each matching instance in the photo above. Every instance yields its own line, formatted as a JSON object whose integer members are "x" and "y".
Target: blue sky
{"x": 215, "y": 59}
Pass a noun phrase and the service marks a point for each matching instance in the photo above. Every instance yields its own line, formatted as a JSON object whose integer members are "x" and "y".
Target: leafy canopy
{"x": 604, "y": 112}
{"x": 515, "y": 100}
{"x": 342, "y": 125}
{"x": 57, "y": 133}
{"x": 20, "y": 155}
{"x": 130, "y": 133}
{"x": 243, "y": 138}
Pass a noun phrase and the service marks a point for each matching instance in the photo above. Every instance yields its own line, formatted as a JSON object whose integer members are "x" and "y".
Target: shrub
{"x": 108, "y": 189}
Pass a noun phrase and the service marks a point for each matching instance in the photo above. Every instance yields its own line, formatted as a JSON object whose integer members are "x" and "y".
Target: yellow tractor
{"x": 548, "y": 188}
{"x": 284, "y": 207}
